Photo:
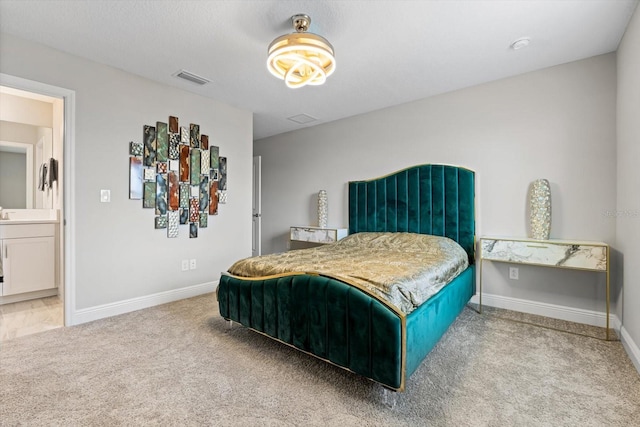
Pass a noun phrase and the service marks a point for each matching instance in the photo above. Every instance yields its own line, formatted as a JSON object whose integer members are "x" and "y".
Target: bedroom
{"x": 539, "y": 125}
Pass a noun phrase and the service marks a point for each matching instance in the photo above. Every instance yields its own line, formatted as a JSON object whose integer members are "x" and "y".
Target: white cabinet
{"x": 28, "y": 258}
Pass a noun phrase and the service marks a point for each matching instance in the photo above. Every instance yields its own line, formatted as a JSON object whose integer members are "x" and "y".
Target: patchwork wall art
{"x": 178, "y": 174}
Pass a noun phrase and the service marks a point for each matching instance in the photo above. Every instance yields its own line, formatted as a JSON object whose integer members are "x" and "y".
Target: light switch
{"x": 105, "y": 196}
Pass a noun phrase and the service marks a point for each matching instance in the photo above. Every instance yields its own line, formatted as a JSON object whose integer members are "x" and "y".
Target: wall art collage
{"x": 178, "y": 174}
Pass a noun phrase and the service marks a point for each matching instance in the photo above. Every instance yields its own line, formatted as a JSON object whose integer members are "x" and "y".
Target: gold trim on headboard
{"x": 411, "y": 167}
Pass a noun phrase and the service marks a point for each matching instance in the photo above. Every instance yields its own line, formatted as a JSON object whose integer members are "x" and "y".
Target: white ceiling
{"x": 387, "y": 52}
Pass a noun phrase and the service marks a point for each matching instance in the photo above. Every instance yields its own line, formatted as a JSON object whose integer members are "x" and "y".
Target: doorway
{"x": 58, "y": 200}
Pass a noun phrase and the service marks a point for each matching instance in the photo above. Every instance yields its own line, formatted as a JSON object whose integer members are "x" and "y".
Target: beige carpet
{"x": 177, "y": 364}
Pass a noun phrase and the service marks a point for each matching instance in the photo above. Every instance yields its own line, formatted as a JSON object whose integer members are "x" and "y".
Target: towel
{"x": 53, "y": 172}
{"x": 42, "y": 177}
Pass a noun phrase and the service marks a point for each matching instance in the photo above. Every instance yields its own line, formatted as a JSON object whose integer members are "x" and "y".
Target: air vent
{"x": 302, "y": 119}
{"x": 193, "y": 78}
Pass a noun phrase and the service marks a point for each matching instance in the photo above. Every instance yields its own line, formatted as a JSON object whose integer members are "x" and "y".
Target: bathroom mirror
{"x": 20, "y": 165}
{"x": 16, "y": 175}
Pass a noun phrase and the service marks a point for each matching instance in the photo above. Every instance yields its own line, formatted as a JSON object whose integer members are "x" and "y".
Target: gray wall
{"x": 13, "y": 185}
{"x": 557, "y": 123}
{"x": 119, "y": 253}
{"x": 628, "y": 212}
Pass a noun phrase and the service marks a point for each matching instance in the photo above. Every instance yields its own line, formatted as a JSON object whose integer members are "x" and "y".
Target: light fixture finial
{"x": 301, "y": 58}
{"x": 301, "y": 22}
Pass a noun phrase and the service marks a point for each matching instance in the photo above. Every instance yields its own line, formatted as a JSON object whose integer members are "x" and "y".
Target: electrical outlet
{"x": 185, "y": 265}
{"x": 513, "y": 273}
{"x": 105, "y": 196}
{"x": 192, "y": 264}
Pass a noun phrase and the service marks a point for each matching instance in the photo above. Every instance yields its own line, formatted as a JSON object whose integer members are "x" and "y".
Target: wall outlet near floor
{"x": 514, "y": 273}
{"x": 192, "y": 264}
{"x": 185, "y": 265}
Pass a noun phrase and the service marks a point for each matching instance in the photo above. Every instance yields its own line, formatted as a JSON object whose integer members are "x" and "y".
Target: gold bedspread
{"x": 404, "y": 269}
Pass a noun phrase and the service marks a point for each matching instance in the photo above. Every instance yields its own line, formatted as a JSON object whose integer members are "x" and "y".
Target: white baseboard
{"x": 577, "y": 315}
{"x": 29, "y": 295}
{"x": 630, "y": 347}
{"x": 113, "y": 309}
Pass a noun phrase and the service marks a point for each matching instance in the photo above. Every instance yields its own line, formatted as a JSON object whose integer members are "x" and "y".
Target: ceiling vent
{"x": 302, "y": 119}
{"x": 193, "y": 78}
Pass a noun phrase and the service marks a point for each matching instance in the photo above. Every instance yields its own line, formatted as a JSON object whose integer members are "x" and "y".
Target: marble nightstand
{"x": 318, "y": 234}
{"x": 580, "y": 255}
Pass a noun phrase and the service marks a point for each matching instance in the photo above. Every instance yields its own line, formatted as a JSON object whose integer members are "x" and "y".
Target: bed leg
{"x": 389, "y": 398}
{"x": 229, "y": 323}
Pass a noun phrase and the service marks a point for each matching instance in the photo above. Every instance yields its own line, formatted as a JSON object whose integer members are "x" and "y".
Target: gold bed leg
{"x": 608, "y": 298}
{"x": 480, "y": 293}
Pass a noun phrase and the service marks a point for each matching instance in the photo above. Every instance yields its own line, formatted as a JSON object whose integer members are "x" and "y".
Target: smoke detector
{"x": 520, "y": 43}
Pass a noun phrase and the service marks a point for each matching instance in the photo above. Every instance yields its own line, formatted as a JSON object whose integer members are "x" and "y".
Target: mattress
{"x": 404, "y": 269}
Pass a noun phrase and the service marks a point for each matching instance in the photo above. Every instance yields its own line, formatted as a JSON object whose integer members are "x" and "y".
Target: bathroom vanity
{"x": 28, "y": 251}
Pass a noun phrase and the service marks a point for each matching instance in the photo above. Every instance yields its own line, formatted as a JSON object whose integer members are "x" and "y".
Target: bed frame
{"x": 340, "y": 322}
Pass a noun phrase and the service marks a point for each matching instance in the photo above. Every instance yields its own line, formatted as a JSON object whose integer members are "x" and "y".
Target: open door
{"x": 257, "y": 207}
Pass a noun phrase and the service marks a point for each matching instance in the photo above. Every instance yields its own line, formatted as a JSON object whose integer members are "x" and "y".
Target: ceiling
{"x": 387, "y": 52}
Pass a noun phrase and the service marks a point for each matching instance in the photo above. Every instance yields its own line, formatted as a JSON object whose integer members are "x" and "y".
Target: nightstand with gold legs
{"x": 578, "y": 255}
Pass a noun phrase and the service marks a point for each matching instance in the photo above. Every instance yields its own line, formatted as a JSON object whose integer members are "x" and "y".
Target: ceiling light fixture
{"x": 301, "y": 58}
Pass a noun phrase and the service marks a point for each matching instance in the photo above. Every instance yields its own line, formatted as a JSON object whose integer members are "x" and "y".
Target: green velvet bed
{"x": 339, "y": 321}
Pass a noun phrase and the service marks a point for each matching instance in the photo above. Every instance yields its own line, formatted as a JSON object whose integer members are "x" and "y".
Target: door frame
{"x": 256, "y": 199}
{"x": 67, "y": 212}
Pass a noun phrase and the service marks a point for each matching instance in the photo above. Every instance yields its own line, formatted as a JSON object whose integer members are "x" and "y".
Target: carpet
{"x": 179, "y": 364}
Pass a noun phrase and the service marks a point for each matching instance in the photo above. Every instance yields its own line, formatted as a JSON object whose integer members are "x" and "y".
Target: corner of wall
{"x": 631, "y": 347}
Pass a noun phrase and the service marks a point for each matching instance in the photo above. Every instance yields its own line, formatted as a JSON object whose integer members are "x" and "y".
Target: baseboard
{"x": 113, "y": 309}
{"x": 29, "y": 295}
{"x": 630, "y": 347}
{"x": 570, "y": 314}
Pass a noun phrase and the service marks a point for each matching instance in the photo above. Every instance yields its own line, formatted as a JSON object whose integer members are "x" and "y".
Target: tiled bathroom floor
{"x": 29, "y": 317}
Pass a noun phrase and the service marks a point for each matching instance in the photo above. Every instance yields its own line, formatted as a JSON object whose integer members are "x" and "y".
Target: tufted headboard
{"x": 425, "y": 199}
